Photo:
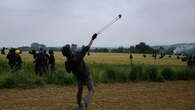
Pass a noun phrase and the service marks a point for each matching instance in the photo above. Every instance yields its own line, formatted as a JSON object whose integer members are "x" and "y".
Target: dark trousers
{"x": 40, "y": 69}
{"x": 90, "y": 87}
{"x": 52, "y": 67}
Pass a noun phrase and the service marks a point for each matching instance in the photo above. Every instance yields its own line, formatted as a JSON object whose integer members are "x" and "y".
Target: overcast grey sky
{"x": 57, "y": 22}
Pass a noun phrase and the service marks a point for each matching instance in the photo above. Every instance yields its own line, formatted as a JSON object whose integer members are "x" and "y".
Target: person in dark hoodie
{"x": 34, "y": 53}
{"x": 11, "y": 58}
{"x": 40, "y": 62}
{"x": 18, "y": 60}
{"x": 46, "y": 60}
{"x": 51, "y": 60}
{"x": 77, "y": 66}
{"x": 190, "y": 61}
{"x": 14, "y": 59}
{"x": 3, "y": 51}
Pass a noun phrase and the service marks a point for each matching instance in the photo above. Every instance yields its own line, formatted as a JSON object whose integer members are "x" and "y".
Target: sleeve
{"x": 84, "y": 51}
{"x": 68, "y": 67}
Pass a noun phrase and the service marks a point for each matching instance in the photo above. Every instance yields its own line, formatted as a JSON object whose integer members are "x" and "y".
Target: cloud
{"x": 57, "y": 22}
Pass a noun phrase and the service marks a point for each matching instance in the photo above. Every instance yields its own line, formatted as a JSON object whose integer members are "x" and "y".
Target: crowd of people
{"x": 43, "y": 61}
{"x": 190, "y": 59}
{"x": 14, "y": 59}
{"x": 74, "y": 64}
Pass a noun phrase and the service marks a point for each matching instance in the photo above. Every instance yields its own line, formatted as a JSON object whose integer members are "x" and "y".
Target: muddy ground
{"x": 176, "y": 95}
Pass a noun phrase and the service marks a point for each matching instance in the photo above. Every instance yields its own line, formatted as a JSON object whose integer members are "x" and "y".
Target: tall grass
{"x": 101, "y": 73}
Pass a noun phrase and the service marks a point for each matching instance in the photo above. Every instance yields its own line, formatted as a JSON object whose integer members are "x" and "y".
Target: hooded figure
{"x": 190, "y": 61}
{"x": 77, "y": 66}
{"x": 46, "y": 60}
{"x": 51, "y": 60}
{"x": 11, "y": 58}
{"x": 15, "y": 60}
{"x": 40, "y": 65}
{"x": 3, "y": 51}
{"x": 34, "y": 53}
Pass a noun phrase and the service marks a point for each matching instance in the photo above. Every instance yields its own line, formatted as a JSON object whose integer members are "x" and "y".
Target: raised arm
{"x": 86, "y": 49}
{"x": 92, "y": 39}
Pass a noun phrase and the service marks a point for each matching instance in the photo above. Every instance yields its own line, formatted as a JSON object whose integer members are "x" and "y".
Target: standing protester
{"x": 131, "y": 58}
{"x": 77, "y": 66}
{"x": 11, "y": 58}
{"x": 51, "y": 60}
{"x": 46, "y": 60}
{"x": 144, "y": 55}
{"x": 14, "y": 58}
{"x": 190, "y": 61}
{"x": 3, "y": 51}
{"x": 194, "y": 59}
{"x": 18, "y": 60}
{"x": 40, "y": 62}
{"x": 33, "y": 52}
{"x": 154, "y": 54}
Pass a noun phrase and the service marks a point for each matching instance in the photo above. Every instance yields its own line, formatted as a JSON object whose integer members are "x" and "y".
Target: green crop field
{"x": 114, "y": 58}
{"x": 104, "y": 67}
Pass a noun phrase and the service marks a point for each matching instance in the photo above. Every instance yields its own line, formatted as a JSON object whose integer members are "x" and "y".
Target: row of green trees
{"x": 139, "y": 48}
{"x": 37, "y": 46}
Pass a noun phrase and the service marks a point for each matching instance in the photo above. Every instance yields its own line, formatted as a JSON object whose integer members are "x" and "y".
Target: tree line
{"x": 139, "y": 48}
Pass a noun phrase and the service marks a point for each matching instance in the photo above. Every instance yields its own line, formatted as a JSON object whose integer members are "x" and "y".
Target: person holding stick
{"x": 77, "y": 66}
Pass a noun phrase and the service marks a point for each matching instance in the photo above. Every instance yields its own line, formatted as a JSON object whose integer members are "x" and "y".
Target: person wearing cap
{"x": 15, "y": 61}
{"x": 18, "y": 60}
{"x": 77, "y": 66}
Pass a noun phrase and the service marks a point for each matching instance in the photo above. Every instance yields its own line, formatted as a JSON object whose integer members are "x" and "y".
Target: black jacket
{"x": 52, "y": 59}
{"x": 77, "y": 66}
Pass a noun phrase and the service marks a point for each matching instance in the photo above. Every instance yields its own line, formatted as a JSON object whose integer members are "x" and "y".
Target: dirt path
{"x": 177, "y": 95}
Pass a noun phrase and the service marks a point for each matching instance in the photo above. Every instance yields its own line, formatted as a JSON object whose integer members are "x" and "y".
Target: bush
{"x": 26, "y": 78}
{"x": 4, "y": 67}
{"x": 60, "y": 77}
{"x": 9, "y": 83}
{"x": 97, "y": 77}
{"x": 160, "y": 78}
{"x": 133, "y": 74}
{"x": 114, "y": 74}
{"x": 136, "y": 73}
{"x": 151, "y": 73}
{"x": 185, "y": 74}
{"x": 168, "y": 73}
{"x": 21, "y": 80}
{"x": 123, "y": 77}
{"x": 111, "y": 74}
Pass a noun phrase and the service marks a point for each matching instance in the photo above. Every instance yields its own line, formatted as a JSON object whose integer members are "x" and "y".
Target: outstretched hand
{"x": 94, "y": 36}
